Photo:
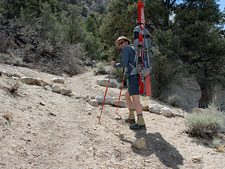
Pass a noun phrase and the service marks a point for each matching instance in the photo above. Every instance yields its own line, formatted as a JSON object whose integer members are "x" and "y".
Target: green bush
{"x": 101, "y": 69}
{"x": 119, "y": 74}
{"x": 206, "y": 124}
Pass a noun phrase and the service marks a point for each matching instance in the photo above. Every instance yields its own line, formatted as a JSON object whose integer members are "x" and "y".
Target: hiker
{"x": 128, "y": 57}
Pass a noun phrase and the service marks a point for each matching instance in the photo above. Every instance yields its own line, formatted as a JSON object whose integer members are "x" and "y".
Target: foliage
{"x": 101, "y": 69}
{"x": 59, "y": 21}
{"x": 120, "y": 20}
{"x": 205, "y": 125}
{"x": 93, "y": 44}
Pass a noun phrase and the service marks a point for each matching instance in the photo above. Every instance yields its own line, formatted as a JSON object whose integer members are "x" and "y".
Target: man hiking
{"x": 128, "y": 59}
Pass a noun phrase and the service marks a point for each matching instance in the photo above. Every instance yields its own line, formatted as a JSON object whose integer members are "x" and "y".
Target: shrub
{"x": 101, "y": 69}
{"x": 118, "y": 73}
{"x": 174, "y": 100}
{"x": 205, "y": 125}
{"x": 14, "y": 88}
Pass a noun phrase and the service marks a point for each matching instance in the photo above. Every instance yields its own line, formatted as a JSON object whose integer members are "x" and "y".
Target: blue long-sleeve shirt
{"x": 128, "y": 56}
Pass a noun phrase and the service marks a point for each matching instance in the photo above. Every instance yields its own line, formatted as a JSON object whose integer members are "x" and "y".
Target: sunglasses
{"x": 121, "y": 43}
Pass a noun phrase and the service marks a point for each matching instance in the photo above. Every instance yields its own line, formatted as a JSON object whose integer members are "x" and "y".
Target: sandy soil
{"x": 49, "y": 130}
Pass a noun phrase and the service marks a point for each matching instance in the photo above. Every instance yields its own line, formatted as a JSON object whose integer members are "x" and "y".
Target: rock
{"x": 86, "y": 98}
{"x": 71, "y": 94}
{"x": 89, "y": 108}
{"x": 122, "y": 103}
{"x": 93, "y": 102}
{"x": 38, "y": 82}
{"x": 167, "y": 112}
{"x": 27, "y": 80}
{"x": 5, "y": 73}
{"x": 16, "y": 75}
{"x": 154, "y": 108}
{"x": 140, "y": 144}
{"x": 56, "y": 89}
{"x": 65, "y": 91}
{"x": 42, "y": 103}
{"x": 78, "y": 96}
{"x": 47, "y": 87}
{"x": 15, "y": 78}
{"x": 185, "y": 93}
{"x": 33, "y": 81}
{"x": 112, "y": 83}
{"x": 100, "y": 99}
{"x": 59, "y": 80}
{"x": 41, "y": 82}
{"x": 196, "y": 160}
{"x": 146, "y": 108}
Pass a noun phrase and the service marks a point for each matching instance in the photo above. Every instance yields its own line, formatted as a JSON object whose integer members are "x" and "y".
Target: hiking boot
{"x": 138, "y": 127}
{"x": 130, "y": 121}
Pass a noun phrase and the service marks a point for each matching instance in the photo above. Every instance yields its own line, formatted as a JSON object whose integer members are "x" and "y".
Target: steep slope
{"x": 49, "y": 130}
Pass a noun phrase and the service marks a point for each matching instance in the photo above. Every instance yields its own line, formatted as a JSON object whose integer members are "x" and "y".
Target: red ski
{"x": 144, "y": 82}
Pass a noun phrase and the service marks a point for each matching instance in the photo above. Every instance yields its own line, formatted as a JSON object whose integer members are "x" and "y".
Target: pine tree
{"x": 201, "y": 45}
{"x": 120, "y": 20}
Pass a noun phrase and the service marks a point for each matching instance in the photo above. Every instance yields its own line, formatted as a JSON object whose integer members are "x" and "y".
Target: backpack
{"x": 147, "y": 52}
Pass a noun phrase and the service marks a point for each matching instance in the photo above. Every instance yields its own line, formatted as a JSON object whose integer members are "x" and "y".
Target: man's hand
{"x": 113, "y": 63}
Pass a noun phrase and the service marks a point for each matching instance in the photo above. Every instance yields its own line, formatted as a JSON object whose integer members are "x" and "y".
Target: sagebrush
{"x": 206, "y": 124}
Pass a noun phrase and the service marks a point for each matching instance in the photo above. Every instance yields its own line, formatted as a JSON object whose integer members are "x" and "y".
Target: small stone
{"x": 146, "y": 108}
{"x": 140, "y": 144}
{"x": 47, "y": 87}
{"x": 42, "y": 103}
{"x": 71, "y": 94}
{"x": 196, "y": 160}
{"x": 93, "y": 102}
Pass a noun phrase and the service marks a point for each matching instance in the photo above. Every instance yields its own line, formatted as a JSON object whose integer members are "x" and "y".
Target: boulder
{"x": 100, "y": 99}
{"x": 112, "y": 83}
{"x": 167, "y": 112}
{"x": 184, "y": 93}
{"x": 154, "y": 108}
{"x": 65, "y": 91}
{"x": 56, "y": 89}
{"x": 122, "y": 104}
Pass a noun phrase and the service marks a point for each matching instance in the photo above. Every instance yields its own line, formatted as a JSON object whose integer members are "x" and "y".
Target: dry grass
{"x": 14, "y": 88}
{"x": 6, "y": 115}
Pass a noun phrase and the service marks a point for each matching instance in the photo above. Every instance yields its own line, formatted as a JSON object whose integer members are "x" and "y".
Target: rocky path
{"x": 49, "y": 130}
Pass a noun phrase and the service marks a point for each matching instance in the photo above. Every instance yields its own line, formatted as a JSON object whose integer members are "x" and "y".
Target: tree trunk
{"x": 206, "y": 94}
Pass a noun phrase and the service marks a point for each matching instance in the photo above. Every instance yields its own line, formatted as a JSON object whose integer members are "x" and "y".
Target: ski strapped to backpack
{"x": 143, "y": 53}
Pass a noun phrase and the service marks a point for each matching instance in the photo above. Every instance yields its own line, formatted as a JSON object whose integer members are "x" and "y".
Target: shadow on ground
{"x": 156, "y": 144}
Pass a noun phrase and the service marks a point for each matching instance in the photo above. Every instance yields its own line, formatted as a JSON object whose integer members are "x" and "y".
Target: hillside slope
{"x": 49, "y": 130}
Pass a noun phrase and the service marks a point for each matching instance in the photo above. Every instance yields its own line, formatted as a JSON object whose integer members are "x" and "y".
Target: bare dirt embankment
{"x": 49, "y": 130}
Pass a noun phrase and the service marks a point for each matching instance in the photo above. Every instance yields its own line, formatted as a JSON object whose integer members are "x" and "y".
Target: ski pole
{"x": 118, "y": 103}
{"x": 100, "y": 117}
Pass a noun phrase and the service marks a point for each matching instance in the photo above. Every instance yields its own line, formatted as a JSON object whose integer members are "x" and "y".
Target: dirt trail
{"x": 63, "y": 133}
